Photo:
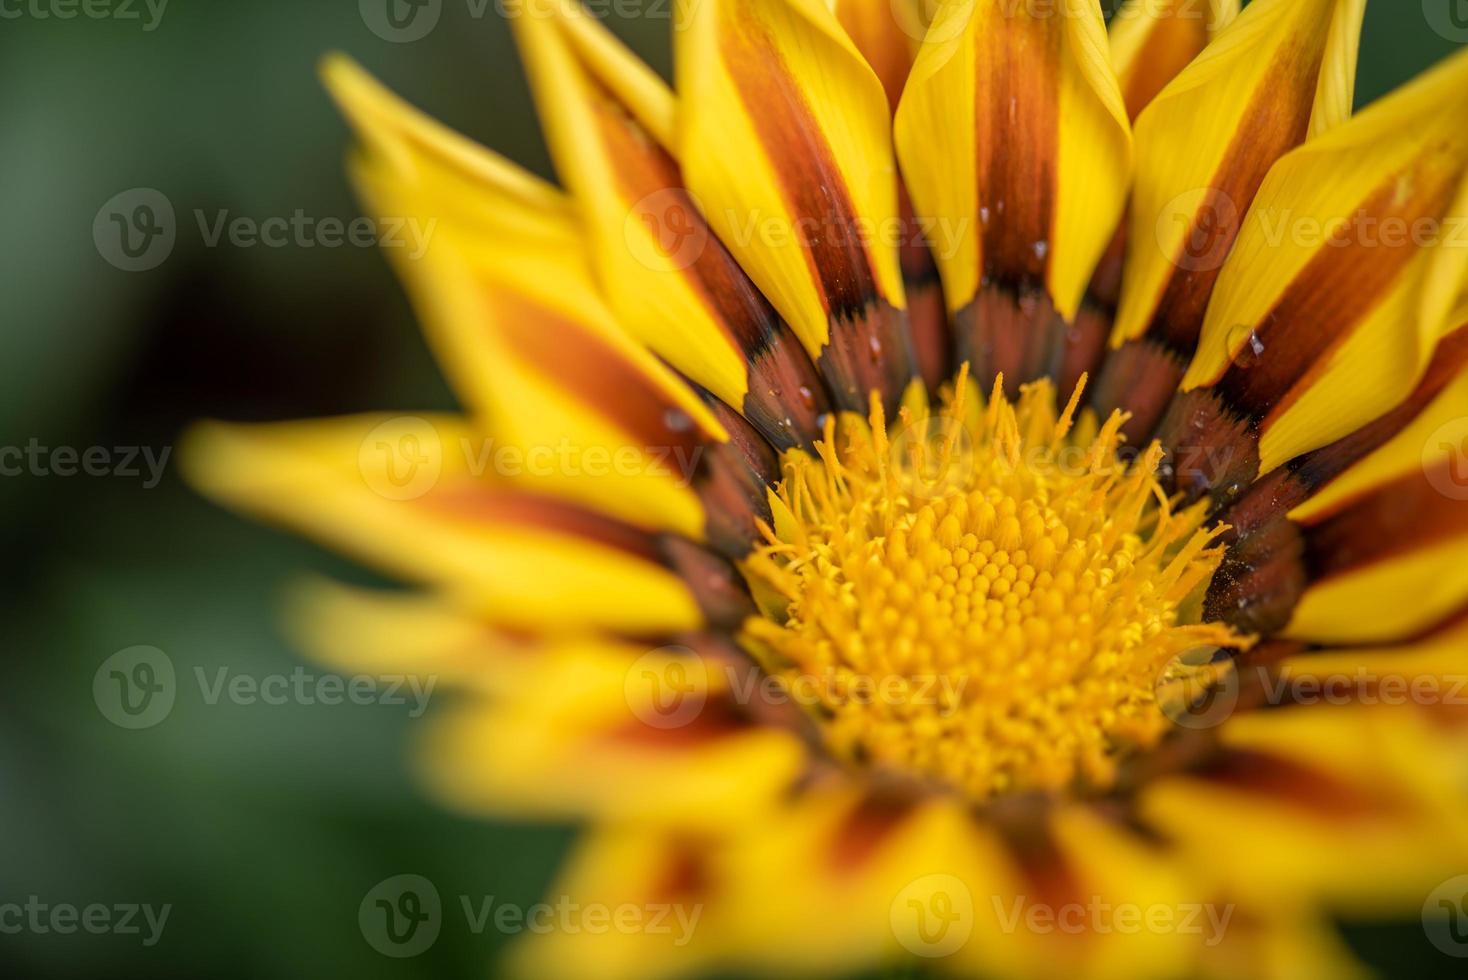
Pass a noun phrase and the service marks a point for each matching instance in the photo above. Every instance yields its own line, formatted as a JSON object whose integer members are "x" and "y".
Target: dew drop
{"x": 677, "y": 420}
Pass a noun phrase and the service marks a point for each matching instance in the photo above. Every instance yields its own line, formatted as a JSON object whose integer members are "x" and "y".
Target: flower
{"x": 785, "y": 543}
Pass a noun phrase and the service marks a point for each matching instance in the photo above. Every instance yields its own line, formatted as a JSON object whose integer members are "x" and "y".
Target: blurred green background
{"x": 262, "y": 826}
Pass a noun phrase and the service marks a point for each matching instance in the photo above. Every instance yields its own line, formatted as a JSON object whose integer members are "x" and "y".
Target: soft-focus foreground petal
{"x": 784, "y": 140}
{"x": 1281, "y": 70}
{"x": 631, "y": 904}
{"x": 1014, "y": 139}
{"x": 505, "y": 294}
{"x": 407, "y": 494}
{"x": 1342, "y": 280}
{"x": 613, "y": 732}
{"x": 1345, "y": 807}
{"x": 673, "y": 285}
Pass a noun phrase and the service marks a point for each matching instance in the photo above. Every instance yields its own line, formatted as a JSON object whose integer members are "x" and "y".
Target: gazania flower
{"x": 785, "y": 545}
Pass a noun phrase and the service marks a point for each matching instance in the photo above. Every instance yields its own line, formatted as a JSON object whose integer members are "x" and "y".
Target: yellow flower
{"x": 783, "y": 542}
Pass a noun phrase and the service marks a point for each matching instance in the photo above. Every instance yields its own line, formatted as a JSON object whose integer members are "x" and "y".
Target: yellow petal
{"x": 671, "y": 283}
{"x": 375, "y": 631}
{"x": 1153, "y": 40}
{"x": 632, "y": 903}
{"x": 1333, "y": 298}
{"x": 1324, "y": 804}
{"x": 1431, "y": 439}
{"x": 1204, "y": 146}
{"x": 784, "y": 141}
{"x": 1014, "y": 139}
{"x": 504, "y": 291}
{"x": 594, "y": 741}
{"x": 1388, "y": 565}
{"x": 403, "y": 493}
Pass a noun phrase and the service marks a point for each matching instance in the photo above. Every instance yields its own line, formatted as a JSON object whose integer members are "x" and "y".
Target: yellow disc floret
{"x": 981, "y": 597}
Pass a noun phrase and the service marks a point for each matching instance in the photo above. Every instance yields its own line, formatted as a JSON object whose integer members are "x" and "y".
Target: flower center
{"x": 985, "y": 596}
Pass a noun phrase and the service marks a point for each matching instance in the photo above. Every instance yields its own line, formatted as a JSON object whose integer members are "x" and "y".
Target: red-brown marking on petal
{"x": 1260, "y": 580}
{"x": 686, "y": 875}
{"x": 1180, "y": 32}
{"x": 1008, "y": 332}
{"x": 869, "y": 346}
{"x": 1082, "y": 348}
{"x": 589, "y": 370}
{"x": 927, "y": 311}
{"x": 1289, "y": 486}
{"x": 1285, "y": 353}
{"x": 717, "y": 718}
{"x": 717, "y": 586}
{"x": 520, "y": 508}
{"x": 785, "y": 398}
{"x": 733, "y": 481}
{"x": 863, "y": 831}
{"x": 1336, "y": 288}
{"x": 1017, "y": 125}
{"x": 1272, "y": 125}
{"x": 1396, "y": 519}
{"x": 1281, "y": 780}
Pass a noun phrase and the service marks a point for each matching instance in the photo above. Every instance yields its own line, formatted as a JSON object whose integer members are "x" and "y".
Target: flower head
{"x": 919, "y": 482}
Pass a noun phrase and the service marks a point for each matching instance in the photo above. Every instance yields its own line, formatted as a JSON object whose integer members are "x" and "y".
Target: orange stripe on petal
{"x": 789, "y": 155}
{"x": 669, "y": 279}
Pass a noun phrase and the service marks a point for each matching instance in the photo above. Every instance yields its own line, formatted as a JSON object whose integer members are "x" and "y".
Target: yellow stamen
{"x": 985, "y": 599}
